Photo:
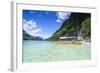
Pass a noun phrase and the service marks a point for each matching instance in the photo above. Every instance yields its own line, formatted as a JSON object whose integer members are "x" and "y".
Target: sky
{"x": 43, "y": 23}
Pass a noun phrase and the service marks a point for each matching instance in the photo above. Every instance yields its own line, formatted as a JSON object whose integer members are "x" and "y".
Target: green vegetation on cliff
{"x": 77, "y": 22}
{"x": 27, "y": 36}
{"x": 86, "y": 26}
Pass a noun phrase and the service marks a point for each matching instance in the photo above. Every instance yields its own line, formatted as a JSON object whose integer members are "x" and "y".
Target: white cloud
{"x": 62, "y": 16}
{"x": 31, "y": 28}
{"x": 24, "y": 21}
{"x": 58, "y": 20}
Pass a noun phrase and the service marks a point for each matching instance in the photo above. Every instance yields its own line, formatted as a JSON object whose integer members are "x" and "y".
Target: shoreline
{"x": 67, "y": 41}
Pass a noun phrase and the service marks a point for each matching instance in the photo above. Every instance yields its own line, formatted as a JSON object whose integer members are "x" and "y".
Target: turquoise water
{"x": 43, "y": 51}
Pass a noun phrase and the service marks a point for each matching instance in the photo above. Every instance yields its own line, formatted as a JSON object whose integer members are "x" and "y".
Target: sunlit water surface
{"x": 44, "y": 51}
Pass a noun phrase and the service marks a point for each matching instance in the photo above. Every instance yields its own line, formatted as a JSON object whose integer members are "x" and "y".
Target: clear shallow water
{"x": 43, "y": 51}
